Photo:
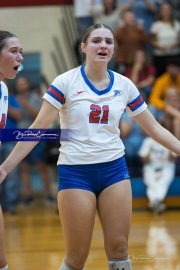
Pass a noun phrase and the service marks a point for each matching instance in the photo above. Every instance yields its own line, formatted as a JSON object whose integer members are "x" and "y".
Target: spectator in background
{"x": 165, "y": 38}
{"x": 141, "y": 71}
{"x": 132, "y": 137}
{"x": 171, "y": 78}
{"x": 129, "y": 36}
{"x": 159, "y": 169}
{"x": 30, "y": 102}
{"x": 171, "y": 116}
{"x": 143, "y": 10}
{"x": 84, "y": 12}
{"x": 175, "y": 5}
{"x": 9, "y": 191}
{"x": 172, "y": 121}
{"x": 110, "y": 14}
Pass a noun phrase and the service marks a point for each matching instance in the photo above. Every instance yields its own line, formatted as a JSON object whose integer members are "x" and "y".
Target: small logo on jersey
{"x": 5, "y": 99}
{"x": 117, "y": 92}
{"x": 80, "y": 92}
{"x": 126, "y": 176}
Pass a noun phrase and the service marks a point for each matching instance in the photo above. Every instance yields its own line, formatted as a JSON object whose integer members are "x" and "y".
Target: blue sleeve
{"x": 14, "y": 102}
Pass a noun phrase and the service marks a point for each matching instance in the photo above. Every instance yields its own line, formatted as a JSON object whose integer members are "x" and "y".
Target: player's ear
{"x": 83, "y": 46}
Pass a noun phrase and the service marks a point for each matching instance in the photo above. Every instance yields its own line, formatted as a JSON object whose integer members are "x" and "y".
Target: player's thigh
{"x": 77, "y": 209}
{"x": 115, "y": 211}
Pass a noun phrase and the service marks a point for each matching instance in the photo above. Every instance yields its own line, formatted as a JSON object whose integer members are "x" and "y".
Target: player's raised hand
{"x": 3, "y": 174}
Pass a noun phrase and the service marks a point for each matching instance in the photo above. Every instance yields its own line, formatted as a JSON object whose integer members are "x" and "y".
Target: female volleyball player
{"x": 92, "y": 170}
{"x": 10, "y": 61}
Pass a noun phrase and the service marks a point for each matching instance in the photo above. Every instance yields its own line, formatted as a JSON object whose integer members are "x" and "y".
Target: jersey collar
{"x": 98, "y": 92}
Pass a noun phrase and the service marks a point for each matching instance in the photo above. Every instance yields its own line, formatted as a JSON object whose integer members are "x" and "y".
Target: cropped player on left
{"x": 10, "y": 60}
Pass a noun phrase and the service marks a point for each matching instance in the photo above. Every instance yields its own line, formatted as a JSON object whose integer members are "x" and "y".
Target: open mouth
{"x": 102, "y": 54}
{"x": 16, "y": 68}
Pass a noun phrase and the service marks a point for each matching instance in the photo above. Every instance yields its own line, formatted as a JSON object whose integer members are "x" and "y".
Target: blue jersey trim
{"x": 98, "y": 92}
{"x": 136, "y": 103}
{"x": 56, "y": 94}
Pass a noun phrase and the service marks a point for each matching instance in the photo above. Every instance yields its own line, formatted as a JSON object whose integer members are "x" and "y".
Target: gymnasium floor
{"x": 34, "y": 240}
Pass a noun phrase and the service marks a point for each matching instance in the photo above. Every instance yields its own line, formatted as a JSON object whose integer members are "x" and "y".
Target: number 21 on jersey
{"x": 3, "y": 121}
{"x": 95, "y": 114}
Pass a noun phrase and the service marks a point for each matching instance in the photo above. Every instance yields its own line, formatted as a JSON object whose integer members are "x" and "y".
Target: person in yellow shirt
{"x": 171, "y": 78}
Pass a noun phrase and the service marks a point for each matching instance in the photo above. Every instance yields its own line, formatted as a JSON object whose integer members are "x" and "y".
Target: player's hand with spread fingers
{"x": 3, "y": 174}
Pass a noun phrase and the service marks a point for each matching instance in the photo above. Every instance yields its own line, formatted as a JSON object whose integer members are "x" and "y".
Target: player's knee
{"x": 118, "y": 248}
{"x": 67, "y": 266}
{"x": 124, "y": 264}
{"x": 77, "y": 259}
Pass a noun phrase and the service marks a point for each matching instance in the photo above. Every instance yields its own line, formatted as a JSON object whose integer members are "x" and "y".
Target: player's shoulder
{"x": 66, "y": 81}
{"x": 68, "y": 75}
{"x": 121, "y": 80}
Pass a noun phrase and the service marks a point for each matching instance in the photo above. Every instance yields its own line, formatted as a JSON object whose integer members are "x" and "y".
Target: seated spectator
{"x": 165, "y": 38}
{"x": 132, "y": 137}
{"x": 159, "y": 169}
{"x": 141, "y": 71}
{"x": 171, "y": 78}
{"x": 128, "y": 36}
{"x": 171, "y": 117}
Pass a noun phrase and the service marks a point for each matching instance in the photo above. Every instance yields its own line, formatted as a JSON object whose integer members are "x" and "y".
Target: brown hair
{"x": 172, "y": 16}
{"x": 93, "y": 27}
{"x": 4, "y": 35}
{"x": 148, "y": 59}
{"x": 106, "y": 10}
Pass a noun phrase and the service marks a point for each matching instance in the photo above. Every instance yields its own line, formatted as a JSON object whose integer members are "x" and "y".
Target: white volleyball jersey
{"x": 3, "y": 104}
{"x": 92, "y": 116}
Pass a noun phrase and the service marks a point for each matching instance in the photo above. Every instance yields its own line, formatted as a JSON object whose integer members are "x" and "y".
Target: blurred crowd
{"x": 19, "y": 187}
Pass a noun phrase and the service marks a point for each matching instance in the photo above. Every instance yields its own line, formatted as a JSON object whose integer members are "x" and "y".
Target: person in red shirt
{"x": 141, "y": 71}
